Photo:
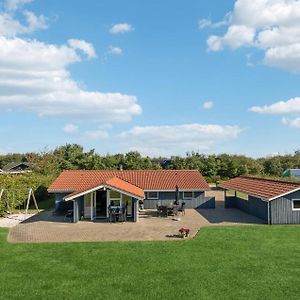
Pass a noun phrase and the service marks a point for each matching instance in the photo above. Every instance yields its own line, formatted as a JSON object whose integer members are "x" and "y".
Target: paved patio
{"x": 44, "y": 227}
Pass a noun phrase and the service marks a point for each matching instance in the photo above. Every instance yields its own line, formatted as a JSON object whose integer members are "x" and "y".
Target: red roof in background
{"x": 114, "y": 182}
{"x": 261, "y": 187}
{"x": 78, "y": 180}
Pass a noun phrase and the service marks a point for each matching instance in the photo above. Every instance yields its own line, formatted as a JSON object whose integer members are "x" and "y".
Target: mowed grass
{"x": 246, "y": 262}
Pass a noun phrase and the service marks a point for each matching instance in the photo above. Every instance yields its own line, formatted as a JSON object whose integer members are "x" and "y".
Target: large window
{"x": 188, "y": 195}
{"x": 296, "y": 204}
{"x": 115, "y": 198}
{"x": 152, "y": 195}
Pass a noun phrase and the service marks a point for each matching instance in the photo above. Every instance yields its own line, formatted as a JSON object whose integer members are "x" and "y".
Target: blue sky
{"x": 160, "y": 77}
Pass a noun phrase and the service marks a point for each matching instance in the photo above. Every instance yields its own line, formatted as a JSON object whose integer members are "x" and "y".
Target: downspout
{"x": 268, "y": 212}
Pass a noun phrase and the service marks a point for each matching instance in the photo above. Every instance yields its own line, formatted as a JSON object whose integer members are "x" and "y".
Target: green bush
{"x": 16, "y": 188}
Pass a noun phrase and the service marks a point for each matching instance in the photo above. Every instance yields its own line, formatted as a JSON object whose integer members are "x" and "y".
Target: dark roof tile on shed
{"x": 13, "y": 165}
{"x": 264, "y": 188}
{"x": 76, "y": 180}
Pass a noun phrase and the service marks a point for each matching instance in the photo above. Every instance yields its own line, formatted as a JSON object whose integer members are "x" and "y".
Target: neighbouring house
{"x": 275, "y": 201}
{"x": 17, "y": 167}
{"x": 94, "y": 191}
{"x": 291, "y": 173}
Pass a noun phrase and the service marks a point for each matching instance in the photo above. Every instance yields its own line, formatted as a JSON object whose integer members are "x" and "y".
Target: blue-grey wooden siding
{"x": 281, "y": 210}
{"x": 166, "y": 198}
{"x": 253, "y": 206}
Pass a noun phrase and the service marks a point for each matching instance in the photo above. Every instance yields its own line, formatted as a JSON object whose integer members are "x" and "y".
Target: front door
{"x": 101, "y": 204}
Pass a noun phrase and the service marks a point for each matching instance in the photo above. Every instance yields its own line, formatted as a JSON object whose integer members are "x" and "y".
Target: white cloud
{"x": 294, "y": 123}
{"x": 12, "y": 5}
{"x": 235, "y": 37}
{"x": 178, "y": 139}
{"x": 10, "y": 26}
{"x": 115, "y": 50}
{"x": 84, "y": 46}
{"x": 121, "y": 28}
{"x": 207, "y": 104}
{"x": 34, "y": 77}
{"x": 203, "y": 23}
{"x": 96, "y": 134}
{"x": 207, "y": 23}
{"x": 70, "y": 128}
{"x": 270, "y": 25}
{"x": 291, "y": 106}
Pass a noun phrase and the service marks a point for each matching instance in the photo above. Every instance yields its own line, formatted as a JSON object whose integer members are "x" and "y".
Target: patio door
{"x": 101, "y": 204}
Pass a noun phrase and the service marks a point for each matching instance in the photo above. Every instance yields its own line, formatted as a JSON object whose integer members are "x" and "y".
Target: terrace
{"x": 44, "y": 227}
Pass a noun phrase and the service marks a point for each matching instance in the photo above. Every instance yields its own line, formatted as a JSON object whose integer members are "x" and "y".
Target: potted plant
{"x": 184, "y": 232}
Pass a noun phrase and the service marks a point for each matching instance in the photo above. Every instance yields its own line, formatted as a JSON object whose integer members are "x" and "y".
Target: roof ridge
{"x": 148, "y": 170}
{"x": 124, "y": 181}
{"x": 270, "y": 179}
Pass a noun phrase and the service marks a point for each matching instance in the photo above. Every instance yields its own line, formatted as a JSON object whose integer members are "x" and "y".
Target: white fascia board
{"x": 97, "y": 188}
{"x": 292, "y": 191}
{"x": 83, "y": 193}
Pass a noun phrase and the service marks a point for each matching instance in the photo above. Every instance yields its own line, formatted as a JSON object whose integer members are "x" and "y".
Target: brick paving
{"x": 44, "y": 227}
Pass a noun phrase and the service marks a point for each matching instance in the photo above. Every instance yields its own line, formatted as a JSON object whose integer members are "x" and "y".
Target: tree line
{"x": 48, "y": 164}
{"x": 222, "y": 166}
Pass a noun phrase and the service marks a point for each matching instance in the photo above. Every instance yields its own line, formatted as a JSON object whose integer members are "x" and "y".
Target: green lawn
{"x": 247, "y": 262}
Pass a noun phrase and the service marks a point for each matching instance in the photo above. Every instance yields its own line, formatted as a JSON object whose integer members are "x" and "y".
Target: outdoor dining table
{"x": 116, "y": 213}
{"x": 168, "y": 210}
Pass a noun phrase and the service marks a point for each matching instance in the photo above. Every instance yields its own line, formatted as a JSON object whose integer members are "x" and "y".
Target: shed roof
{"x": 268, "y": 189}
{"x": 13, "y": 165}
{"x": 147, "y": 180}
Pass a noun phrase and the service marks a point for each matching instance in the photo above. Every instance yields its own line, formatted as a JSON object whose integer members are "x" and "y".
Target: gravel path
{"x": 14, "y": 220}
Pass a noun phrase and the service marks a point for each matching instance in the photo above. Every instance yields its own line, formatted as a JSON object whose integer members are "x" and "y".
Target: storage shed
{"x": 275, "y": 201}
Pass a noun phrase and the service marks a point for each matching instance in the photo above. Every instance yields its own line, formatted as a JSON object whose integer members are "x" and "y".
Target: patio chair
{"x": 159, "y": 209}
{"x": 175, "y": 210}
{"x": 122, "y": 214}
{"x": 69, "y": 215}
{"x": 165, "y": 211}
{"x": 182, "y": 208}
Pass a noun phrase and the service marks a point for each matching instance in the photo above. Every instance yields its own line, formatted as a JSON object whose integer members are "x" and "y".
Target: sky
{"x": 160, "y": 77}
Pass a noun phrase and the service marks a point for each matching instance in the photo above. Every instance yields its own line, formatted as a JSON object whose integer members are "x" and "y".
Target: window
{"x": 115, "y": 198}
{"x": 152, "y": 195}
{"x": 188, "y": 195}
{"x": 296, "y": 204}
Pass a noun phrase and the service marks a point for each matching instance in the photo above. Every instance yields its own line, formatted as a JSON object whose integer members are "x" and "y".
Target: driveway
{"x": 44, "y": 227}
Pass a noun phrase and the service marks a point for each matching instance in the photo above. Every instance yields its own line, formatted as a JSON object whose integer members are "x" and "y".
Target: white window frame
{"x": 115, "y": 199}
{"x": 184, "y": 197}
{"x": 153, "y": 198}
{"x": 295, "y": 209}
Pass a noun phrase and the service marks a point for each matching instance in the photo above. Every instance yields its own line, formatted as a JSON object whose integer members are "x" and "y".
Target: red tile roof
{"x": 115, "y": 183}
{"x": 125, "y": 186}
{"x": 264, "y": 188}
{"x": 77, "y": 180}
